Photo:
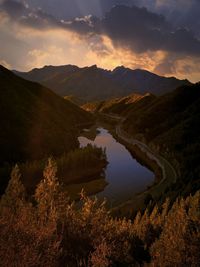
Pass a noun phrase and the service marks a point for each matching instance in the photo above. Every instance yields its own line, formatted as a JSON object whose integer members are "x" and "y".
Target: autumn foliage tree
{"x": 50, "y": 230}
{"x": 14, "y": 198}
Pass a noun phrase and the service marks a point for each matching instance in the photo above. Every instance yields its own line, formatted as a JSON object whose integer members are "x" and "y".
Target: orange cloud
{"x": 25, "y": 48}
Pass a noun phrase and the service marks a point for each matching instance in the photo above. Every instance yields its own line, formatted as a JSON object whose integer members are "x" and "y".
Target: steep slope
{"x": 35, "y": 122}
{"x": 170, "y": 124}
{"x": 48, "y": 73}
{"x": 142, "y": 81}
{"x": 75, "y": 100}
{"x": 121, "y": 105}
{"x": 95, "y": 84}
{"x": 89, "y": 83}
{"x": 124, "y": 104}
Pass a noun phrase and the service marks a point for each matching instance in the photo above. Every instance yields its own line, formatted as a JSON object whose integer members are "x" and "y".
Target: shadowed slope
{"x": 95, "y": 84}
{"x": 35, "y": 122}
{"x": 170, "y": 124}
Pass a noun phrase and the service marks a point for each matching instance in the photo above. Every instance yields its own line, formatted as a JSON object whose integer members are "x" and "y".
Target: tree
{"x": 14, "y": 197}
{"x": 48, "y": 194}
{"x": 179, "y": 242}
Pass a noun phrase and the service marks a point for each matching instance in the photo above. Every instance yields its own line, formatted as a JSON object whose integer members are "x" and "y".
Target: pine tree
{"x": 14, "y": 197}
{"x": 179, "y": 242}
{"x": 48, "y": 192}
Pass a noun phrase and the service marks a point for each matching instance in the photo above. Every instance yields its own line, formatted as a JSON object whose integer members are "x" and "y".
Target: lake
{"x": 124, "y": 174}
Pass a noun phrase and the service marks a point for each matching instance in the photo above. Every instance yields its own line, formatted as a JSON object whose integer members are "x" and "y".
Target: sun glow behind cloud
{"x": 29, "y": 48}
{"x": 113, "y": 57}
{"x": 28, "y": 42}
{"x": 35, "y": 48}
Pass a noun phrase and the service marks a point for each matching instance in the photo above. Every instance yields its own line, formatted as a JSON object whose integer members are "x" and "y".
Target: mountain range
{"x": 37, "y": 122}
{"x": 94, "y": 84}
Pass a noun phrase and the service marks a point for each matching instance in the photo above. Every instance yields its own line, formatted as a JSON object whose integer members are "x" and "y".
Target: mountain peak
{"x": 93, "y": 83}
{"x": 120, "y": 68}
{"x": 2, "y": 68}
{"x": 93, "y": 67}
{"x": 4, "y": 71}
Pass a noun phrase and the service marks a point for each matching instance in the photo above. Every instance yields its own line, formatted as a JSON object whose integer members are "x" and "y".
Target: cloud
{"x": 21, "y": 13}
{"x": 125, "y": 35}
{"x": 117, "y": 57}
{"x": 181, "y": 67}
{"x": 4, "y": 63}
{"x": 68, "y": 9}
{"x": 132, "y": 28}
{"x": 139, "y": 30}
{"x": 23, "y": 47}
{"x": 182, "y": 13}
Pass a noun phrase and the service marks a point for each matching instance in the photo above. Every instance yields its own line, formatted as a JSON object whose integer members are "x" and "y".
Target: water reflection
{"x": 124, "y": 174}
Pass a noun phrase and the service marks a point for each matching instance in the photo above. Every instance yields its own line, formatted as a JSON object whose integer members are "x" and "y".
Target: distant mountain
{"x": 48, "y": 73}
{"x": 142, "y": 81}
{"x": 35, "y": 122}
{"x": 89, "y": 83}
{"x": 94, "y": 84}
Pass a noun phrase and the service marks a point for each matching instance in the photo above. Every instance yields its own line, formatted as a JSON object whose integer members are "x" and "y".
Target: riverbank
{"x": 142, "y": 157}
{"x": 165, "y": 174}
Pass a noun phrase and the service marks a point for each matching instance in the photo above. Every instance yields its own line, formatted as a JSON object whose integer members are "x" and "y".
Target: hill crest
{"x": 95, "y": 84}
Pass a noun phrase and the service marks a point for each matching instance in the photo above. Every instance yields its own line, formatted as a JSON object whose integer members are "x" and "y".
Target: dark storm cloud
{"x": 67, "y": 9}
{"x": 141, "y": 30}
{"x": 14, "y": 9}
{"x": 133, "y": 28}
{"x": 182, "y": 13}
{"x": 36, "y": 18}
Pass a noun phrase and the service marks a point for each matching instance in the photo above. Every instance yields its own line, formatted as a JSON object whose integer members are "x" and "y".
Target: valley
{"x": 131, "y": 156}
{"x": 99, "y": 133}
{"x": 124, "y": 175}
{"x": 128, "y": 187}
{"x": 117, "y": 113}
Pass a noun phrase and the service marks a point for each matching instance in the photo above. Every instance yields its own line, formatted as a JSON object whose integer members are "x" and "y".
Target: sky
{"x": 162, "y": 36}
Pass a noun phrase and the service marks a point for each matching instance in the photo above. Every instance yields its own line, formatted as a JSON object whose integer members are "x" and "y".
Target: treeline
{"x": 51, "y": 231}
{"x": 78, "y": 166}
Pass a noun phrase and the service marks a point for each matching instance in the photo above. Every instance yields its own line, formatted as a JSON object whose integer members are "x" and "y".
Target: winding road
{"x": 169, "y": 174}
{"x": 168, "y": 170}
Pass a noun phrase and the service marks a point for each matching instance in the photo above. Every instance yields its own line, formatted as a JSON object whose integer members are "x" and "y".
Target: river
{"x": 124, "y": 174}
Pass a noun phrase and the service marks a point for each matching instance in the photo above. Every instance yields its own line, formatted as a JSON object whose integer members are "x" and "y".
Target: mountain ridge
{"x": 94, "y": 84}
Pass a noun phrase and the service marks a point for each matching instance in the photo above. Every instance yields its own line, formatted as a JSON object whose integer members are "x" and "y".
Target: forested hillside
{"x": 170, "y": 125}
{"x": 53, "y": 232}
